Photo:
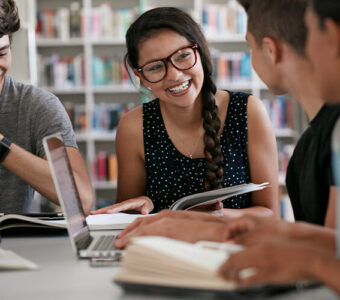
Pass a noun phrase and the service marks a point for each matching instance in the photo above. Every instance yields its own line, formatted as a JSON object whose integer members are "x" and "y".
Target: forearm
{"x": 36, "y": 172}
{"x": 32, "y": 169}
{"x": 259, "y": 211}
{"x": 317, "y": 235}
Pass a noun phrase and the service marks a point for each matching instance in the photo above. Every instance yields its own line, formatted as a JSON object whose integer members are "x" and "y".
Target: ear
{"x": 273, "y": 49}
{"x": 333, "y": 32}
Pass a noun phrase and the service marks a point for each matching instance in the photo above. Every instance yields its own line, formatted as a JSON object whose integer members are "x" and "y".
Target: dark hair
{"x": 326, "y": 9}
{"x": 9, "y": 18}
{"x": 162, "y": 18}
{"x": 278, "y": 19}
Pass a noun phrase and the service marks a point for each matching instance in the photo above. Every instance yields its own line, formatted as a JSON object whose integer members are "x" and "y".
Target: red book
{"x": 102, "y": 171}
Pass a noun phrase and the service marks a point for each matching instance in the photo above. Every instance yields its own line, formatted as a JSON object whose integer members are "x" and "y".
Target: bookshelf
{"x": 74, "y": 46}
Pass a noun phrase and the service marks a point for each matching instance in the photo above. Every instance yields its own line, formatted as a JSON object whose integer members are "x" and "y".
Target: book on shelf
{"x": 226, "y": 19}
{"x": 211, "y": 197}
{"x": 167, "y": 262}
{"x": 280, "y": 111}
{"x": 230, "y": 66}
{"x": 95, "y": 222}
{"x": 61, "y": 73}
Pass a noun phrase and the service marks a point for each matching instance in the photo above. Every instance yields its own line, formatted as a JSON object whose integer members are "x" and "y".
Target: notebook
{"x": 83, "y": 243}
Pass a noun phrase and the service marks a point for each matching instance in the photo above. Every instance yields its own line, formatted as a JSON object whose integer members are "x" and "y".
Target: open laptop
{"x": 85, "y": 245}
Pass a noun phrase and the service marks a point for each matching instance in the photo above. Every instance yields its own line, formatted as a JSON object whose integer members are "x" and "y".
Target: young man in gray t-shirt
{"x": 27, "y": 114}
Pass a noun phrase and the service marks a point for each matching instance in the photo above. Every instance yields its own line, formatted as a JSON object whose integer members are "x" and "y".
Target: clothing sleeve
{"x": 50, "y": 117}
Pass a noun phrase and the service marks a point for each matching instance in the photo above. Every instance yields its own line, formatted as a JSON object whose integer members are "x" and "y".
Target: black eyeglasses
{"x": 182, "y": 59}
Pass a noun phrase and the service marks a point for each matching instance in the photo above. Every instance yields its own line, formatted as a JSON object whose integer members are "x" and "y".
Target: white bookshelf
{"x": 91, "y": 141}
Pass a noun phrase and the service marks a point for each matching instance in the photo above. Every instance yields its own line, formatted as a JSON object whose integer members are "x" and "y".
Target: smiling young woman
{"x": 192, "y": 137}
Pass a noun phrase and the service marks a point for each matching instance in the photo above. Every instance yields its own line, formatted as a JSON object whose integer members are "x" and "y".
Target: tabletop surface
{"x": 63, "y": 276}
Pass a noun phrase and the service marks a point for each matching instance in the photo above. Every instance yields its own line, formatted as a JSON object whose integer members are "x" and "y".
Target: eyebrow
{"x": 4, "y": 47}
{"x": 156, "y": 59}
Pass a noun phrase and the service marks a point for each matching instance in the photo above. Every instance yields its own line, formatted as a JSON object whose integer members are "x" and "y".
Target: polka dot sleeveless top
{"x": 171, "y": 175}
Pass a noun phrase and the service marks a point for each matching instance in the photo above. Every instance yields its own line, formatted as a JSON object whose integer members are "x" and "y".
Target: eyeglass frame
{"x": 168, "y": 59}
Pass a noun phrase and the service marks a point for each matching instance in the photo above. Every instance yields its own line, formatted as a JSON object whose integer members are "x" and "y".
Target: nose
{"x": 173, "y": 74}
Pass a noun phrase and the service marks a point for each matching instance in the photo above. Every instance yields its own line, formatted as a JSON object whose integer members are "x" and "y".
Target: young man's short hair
{"x": 278, "y": 19}
{"x": 9, "y": 18}
{"x": 326, "y": 9}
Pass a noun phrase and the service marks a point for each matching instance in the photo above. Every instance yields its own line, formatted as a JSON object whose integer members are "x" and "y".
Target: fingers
{"x": 101, "y": 210}
{"x": 125, "y": 205}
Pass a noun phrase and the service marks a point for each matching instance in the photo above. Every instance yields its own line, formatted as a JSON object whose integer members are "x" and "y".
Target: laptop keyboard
{"x": 104, "y": 243}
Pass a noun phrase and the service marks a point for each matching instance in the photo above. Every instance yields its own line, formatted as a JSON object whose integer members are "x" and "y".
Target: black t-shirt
{"x": 309, "y": 173}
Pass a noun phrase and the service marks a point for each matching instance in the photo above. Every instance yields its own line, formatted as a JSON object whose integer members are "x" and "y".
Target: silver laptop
{"x": 85, "y": 245}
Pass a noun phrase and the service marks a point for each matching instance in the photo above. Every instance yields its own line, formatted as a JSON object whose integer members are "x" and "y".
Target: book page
{"x": 108, "y": 221}
{"x": 111, "y": 221}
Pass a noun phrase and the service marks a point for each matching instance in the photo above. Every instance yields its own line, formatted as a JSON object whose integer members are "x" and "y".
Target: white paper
{"x": 108, "y": 221}
{"x": 9, "y": 260}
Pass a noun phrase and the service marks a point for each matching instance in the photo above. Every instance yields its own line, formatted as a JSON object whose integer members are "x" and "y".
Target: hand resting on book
{"x": 181, "y": 229}
{"x": 142, "y": 204}
{"x": 177, "y": 214}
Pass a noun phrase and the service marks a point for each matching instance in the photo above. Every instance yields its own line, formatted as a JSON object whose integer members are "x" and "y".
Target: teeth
{"x": 180, "y": 88}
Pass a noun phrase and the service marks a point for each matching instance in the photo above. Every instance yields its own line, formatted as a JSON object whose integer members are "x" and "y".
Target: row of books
{"x": 104, "y": 167}
{"x": 281, "y": 112}
{"x": 67, "y": 72}
{"x": 231, "y": 66}
{"x": 228, "y": 18}
{"x": 97, "y": 22}
{"x": 61, "y": 73}
{"x": 63, "y": 23}
{"x": 104, "y": 21}
{"x": 109, "y": 70}
{"x": 77, "y": 115}
{"x": 105, "y": 116}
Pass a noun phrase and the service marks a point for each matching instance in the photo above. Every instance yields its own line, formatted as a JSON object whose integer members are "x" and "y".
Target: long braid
{"x": 211, "y": 125}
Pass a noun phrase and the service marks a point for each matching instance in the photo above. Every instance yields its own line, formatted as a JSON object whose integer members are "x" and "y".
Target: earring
{"x": 149, "y": 88}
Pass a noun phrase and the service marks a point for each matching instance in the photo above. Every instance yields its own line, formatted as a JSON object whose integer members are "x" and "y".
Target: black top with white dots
{"x": 172, "y": 175}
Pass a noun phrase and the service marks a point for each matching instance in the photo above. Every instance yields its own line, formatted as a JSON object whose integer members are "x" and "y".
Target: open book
{"x": 95, "y": 222}
{"x": 161, "y": 261}
{"x": 214, "y": 196}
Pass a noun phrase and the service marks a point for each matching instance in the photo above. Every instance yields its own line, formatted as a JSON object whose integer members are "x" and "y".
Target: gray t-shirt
{"x": 27, "y": 114}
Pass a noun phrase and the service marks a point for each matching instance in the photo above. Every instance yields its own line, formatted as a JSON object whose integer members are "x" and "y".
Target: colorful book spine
{"x": 61, "y": 73}
{"x": 105, "y": 167}
{"x": 228, "y": 19}
{"x": 230, "y": 66}
{"x": 106, "y": 116}
{"x": 281, "y": 112}
{"x": 63, "y": 23}
{"x": 109, "y": 71}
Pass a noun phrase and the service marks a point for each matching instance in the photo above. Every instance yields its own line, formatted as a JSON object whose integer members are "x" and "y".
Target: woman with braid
{"x": 192, "y": 137}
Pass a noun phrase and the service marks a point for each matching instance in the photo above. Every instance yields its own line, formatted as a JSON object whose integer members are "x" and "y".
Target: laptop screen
{"x": 67, "y": 190}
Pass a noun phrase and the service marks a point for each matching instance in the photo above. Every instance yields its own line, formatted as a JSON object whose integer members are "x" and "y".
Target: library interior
{"x": 77, "y": 56}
